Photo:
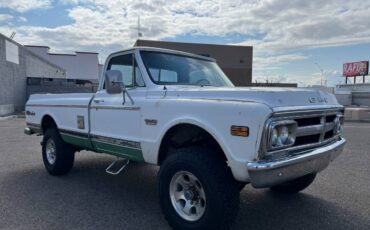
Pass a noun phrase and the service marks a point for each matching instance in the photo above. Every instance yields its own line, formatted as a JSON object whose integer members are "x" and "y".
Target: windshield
{"x": 173, "y": 69}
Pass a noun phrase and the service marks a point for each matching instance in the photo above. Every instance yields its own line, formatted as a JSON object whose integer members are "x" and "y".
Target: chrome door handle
{"x": 98, "y": 100}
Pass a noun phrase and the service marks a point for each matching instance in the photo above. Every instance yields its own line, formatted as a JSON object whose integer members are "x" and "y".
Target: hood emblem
{"x": 312, "y": 99}
{"x": 319, "y": 99}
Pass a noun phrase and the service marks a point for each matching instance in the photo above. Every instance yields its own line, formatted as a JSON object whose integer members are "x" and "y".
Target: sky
{"x": 297, "y": 41}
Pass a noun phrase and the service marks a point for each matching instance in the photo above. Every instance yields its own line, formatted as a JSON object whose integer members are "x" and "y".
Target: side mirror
{"x": 113, "y": 82}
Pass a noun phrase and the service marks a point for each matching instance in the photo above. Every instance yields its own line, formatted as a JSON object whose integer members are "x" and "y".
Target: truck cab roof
{"x": 162, "y": 50}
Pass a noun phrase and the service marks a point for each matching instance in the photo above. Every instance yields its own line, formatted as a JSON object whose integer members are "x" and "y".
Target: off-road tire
{"x": 294, "y": 186}
{"x": 221, "y": 191}
{"x": 64, "y": 153}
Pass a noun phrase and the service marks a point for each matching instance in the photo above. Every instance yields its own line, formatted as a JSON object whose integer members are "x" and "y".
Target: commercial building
{"x": 235, "y": 61}
{"x": 17, "y": 64}
{"x": 78, "y": 66}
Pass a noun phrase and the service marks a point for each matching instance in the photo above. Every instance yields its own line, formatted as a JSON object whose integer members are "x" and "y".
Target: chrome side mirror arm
{"x": 124, "y": 92}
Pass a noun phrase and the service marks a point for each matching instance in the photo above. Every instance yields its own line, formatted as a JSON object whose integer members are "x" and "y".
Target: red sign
{"x": 353, "y": 69}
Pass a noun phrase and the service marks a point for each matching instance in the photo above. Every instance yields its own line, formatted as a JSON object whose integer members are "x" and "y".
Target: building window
{"x": 11, "y": 52}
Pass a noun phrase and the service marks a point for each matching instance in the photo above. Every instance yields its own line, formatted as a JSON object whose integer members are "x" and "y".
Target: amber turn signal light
{"x": 241, "y": 131}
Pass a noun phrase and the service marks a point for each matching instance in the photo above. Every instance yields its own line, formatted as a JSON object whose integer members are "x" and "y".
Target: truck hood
{"x": 272, "y": 97}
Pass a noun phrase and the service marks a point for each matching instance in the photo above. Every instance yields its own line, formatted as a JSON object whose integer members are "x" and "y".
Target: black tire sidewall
{"x": 214, "y": 213}
{"x": 64, "y": 153}
{"x": 48, "y": 135}
{"x": 165, "y": 186}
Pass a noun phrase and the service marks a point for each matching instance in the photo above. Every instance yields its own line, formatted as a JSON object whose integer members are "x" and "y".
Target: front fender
{"x": 216, "y": 118}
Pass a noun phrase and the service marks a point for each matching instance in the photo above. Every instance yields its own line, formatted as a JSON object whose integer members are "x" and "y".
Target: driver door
{"x": 115, "y": 122}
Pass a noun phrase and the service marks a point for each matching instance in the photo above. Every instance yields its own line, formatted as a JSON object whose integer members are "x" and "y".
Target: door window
{"x": 124, "y": 64}
{"x": 163, "y": 75}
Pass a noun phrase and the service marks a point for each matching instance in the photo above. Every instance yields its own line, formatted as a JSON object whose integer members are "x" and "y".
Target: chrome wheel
{"x": 51, "y": 154}
{"x": 187, "y": 196}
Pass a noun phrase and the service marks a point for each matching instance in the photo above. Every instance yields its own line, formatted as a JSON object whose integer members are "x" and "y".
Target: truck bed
{"x": 64, "y": 108}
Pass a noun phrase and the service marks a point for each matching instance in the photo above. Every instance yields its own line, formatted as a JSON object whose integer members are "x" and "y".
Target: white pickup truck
{"x": 179, "y": 111}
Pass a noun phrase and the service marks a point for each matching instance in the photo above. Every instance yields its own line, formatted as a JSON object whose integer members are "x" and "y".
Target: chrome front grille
{"x": 314, "y": 129}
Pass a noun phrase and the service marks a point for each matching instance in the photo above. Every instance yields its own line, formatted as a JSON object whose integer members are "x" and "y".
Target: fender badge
{"x": 30, "y": 113}
{"x": 80, "y": 122}
{"x": 150, "y": 122}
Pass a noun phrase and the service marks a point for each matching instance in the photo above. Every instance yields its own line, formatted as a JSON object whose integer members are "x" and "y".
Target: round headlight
{"x": 283, "y": 134}
{"x": 274, "y": 137}
{"x": 338, "y": 126}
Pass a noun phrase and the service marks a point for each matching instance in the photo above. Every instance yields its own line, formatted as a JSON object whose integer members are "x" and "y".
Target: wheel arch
{"x": 47, "y": 121}
{"x": 188, "y": 133}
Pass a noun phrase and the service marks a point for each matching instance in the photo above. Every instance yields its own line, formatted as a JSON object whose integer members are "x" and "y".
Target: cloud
{"x": 277, "y": 29}
{"x": 287, "y": 25}
{"x": 22, "y": 19}
{"x": 267, "y": 62}
{"x": 5, "y": 17}
{"x": 25, "y": 5}
{"x": 305, "y": 24}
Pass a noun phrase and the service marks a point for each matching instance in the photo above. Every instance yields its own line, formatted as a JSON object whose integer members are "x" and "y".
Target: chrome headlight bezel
{"x": 277, "y": 138}
{"x": 339, "y": 121}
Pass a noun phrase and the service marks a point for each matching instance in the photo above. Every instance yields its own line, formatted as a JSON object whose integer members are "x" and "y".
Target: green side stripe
{"x": 35, "y": 130}
{"x": 120, "y": 151}
{"x": 130, "y": 153}
{"x": 78, "y": 141}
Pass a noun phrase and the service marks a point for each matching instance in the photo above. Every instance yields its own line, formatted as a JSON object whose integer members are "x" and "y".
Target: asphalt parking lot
{"x": 88, "y": 198}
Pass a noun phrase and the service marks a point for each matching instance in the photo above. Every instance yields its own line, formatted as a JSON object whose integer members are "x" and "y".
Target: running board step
{"x": 117, "y": 166}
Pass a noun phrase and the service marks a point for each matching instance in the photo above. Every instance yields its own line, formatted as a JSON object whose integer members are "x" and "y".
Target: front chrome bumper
{"x": 267, "y": 174}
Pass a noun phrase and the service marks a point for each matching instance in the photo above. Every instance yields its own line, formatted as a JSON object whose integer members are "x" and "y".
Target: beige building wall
{"x": 80, "y": 65}
{"x": 16, "y": 64}
{"x": 40, "y": 68}
{"x": 235, "y": 61}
